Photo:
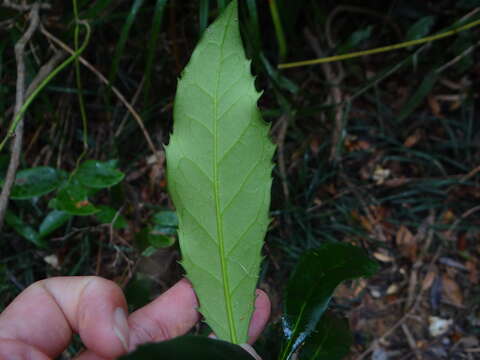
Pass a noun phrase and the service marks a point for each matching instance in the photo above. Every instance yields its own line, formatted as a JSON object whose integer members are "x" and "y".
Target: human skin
{"x": 40, "y": 322}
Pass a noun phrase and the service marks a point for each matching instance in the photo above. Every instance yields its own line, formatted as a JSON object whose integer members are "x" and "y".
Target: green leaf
{"x": 25, "y": 230}
{"x": 107, "y": 214}
{"x": 98, "y": 175}
{"x": 73, "y": 199}
{"x": 219, "y": 176}
{"x": 52, "y": 222}
{"x": 331, "y": 340}
{"x": 189, "y": 347}
{"x": 421, "y": 28}
{"x": 34, "y": 182}
{"x": 311, "y": 287}
{"x": 152, "y": 238}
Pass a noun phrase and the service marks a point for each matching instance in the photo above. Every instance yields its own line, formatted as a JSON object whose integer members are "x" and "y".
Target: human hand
{"x": 39, "y": 323}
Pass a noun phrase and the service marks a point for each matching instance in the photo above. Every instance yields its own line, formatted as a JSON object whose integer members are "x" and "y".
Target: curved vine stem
{"x": 380, "y": 49}
{"x": 41, "y": 86}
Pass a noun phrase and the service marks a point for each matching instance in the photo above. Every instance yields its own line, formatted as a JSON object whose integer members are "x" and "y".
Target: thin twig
{"x": 20, "y": 96}
{"x": 24, "y": 6}
{"x": 117, "y": 93}
{"x": 336, "y": 94}
{"x": 134, "y": 101}
{"x": 44, "y": 71}
{"x": 457, "y": 58}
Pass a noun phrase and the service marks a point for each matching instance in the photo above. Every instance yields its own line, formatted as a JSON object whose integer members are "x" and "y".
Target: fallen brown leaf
{"x": 382, "y": 257}
{"x": 413, "y": 139}
{"x": 448, "y": 216}
{"x": 406, "y": 243}
{"x": 451, "y": 291}
{"x": 435, "y": 106}
{"x": 428, "y": 280}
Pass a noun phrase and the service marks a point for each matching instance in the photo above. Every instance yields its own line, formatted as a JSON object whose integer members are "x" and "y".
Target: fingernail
{"x": 121, "y": 326}
{"x": 248, "y": 348}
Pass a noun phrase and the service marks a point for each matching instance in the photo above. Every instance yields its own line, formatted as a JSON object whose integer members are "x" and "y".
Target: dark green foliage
{"x": 52, "y": 222}
{"x": 189, "y": 347}
{"x": 331, "y": 340}
{"x": 98, "y": 175}
{"x": 36, "y": 182}
{"x": 310, "y": 289}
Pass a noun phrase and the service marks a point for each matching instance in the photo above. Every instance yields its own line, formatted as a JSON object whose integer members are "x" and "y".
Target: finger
{"x": 172, "y": 314}
{"x": 260, "y": 316}
{"x": 13, "y": 349}
{"x": 51, "y": 309}
{"x": 175, "y": 312}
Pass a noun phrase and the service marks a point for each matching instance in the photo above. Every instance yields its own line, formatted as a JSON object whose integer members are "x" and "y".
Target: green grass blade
{"x": 78, "y": 78}
{"x": 152, "y": 46}
{"x": 277, "y": 23}
{"x": 137, "y": 4}
{"x": 203, "y": 11}
{"x": 221, "y": 4}
{"x": 253, "y": 27}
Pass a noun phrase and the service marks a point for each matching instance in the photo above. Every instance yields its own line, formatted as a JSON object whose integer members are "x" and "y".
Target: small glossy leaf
{"x": 52, "y": 222}
{"x": 151, "y": 238}
{"x": 25, "y": 230}
{"x": 331, "y": 340}
{"x": 219, "y": 175}
{"x": 421, "y": 28}
{"x": 166, "y": 218}
{"x": 312, "y": 284}
{"x": 160, "y": 238}
{"x": 73, "y": 199}
{"x": 36, "y": 182}
{"x": 99, "y": 175}
{"x": 355, "y": 39}
{"x": 107, "y": 214}
{"x": 189, "y": 348}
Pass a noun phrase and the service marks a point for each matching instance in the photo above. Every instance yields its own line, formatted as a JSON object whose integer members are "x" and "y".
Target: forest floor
{"x": 381, "y": 151}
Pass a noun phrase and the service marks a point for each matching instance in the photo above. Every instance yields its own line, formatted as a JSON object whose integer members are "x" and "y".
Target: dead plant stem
{"x": 19, "y": 99}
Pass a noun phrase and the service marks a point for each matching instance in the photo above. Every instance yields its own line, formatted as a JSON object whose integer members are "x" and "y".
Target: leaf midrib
{"x": 219, "y": 219}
